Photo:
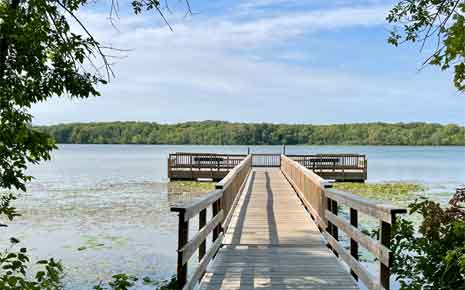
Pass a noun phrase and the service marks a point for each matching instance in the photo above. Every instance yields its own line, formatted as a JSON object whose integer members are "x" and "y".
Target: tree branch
{"x": 96, "y": 45}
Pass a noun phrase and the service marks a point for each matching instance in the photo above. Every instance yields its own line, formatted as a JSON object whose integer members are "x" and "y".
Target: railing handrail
{"x": 311, "y": 189}
{"x": 207, "y": 154}
{"x": 224, "y": 183}
{"x": 193, "y": 207}
{"x": 266, "y": 159}
{"x": 377, "y": 209}
{"x": 223, "y": 201}
{"x": 313, "y": 203}
{"x": 328, "y": 154}
{"x": 309, "y": 173}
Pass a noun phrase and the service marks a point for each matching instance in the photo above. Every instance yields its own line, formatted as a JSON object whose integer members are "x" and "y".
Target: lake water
{"x": 104, "y": 209}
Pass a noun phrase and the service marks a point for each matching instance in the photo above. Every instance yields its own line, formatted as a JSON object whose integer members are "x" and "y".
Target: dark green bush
{"x": 431, "y": 256}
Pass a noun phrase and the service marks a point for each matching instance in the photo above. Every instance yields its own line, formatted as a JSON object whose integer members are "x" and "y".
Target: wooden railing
{"x": 266, "y": 160}
{"x": 309, "y": 186}
{"x": 340, "y": 160}
{"x": 191, "y": 162}
{"x": 222, "y": 202}
{"x": 323, "y": 204}
{"x": 231, "y": 186}
{"x": 345, "y": 163}
{"x": 193, "y": 166}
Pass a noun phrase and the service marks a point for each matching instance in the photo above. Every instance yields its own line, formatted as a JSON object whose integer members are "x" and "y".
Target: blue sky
{"x": 281, "y": 61}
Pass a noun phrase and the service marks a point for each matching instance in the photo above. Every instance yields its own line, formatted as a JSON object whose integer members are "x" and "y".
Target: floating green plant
{"x": 95, "y": 243}
{"x": 394, "y": 191}
{"x": 190, "y": 186}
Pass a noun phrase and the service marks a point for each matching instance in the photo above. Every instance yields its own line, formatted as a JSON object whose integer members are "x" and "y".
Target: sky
{"x": 279, "y": 61}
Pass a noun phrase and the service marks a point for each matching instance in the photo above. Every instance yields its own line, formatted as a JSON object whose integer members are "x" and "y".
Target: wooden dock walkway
{"x": 278, "y": 227}
{"x": 272, "y": 243}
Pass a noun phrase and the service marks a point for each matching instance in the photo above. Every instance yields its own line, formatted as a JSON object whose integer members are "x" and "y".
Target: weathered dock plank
{"x": 272, "y": 243}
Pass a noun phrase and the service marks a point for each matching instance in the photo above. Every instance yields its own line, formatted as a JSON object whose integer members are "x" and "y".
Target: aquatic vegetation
{"x": 167, "y": 284}
{"x": 125, "y": 282}
{"x": 394, "y": 191}
{"x": 96, "y": 243}
{"x": 14, "y": 264}
{"x": 190, "y": 186}
{"x": 119, "y": 282}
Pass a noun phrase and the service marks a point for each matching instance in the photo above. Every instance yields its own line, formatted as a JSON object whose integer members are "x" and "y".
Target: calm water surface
{"x": 104, "y": 209}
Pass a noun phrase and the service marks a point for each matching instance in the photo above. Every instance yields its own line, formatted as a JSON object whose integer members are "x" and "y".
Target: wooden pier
{"x": 194, "y": 166}
{"x": 279, "y": 228}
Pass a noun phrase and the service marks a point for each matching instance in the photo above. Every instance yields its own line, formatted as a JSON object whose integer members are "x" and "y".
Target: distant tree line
{"x": 226, "y": 133}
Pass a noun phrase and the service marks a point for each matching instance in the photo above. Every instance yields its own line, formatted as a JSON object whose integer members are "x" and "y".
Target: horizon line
{"x": 249, "y": 123}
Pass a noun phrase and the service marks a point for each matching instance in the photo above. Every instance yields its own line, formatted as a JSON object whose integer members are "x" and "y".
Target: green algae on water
{"x": 91, "y": 242}
{"x": 393, "y": 191}
{"x": 190, "y": 186}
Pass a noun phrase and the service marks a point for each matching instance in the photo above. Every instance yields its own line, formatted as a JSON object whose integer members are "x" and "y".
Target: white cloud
{"x": 209, "y": 69}
{"x": 294, "y": 24}
{"x": 229, "y": 32}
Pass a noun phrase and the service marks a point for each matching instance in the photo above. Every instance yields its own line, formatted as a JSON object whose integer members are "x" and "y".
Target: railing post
{"x": 216, "y": 207}
{"x": 211, "y": 167}
{"x": 334, "y": 210}
{"x": 203, "y": 245}
{"x": 202, "y": 223}
{"x": 385, "y": 238}
{"x": 329, "y": 228}
{"x": 353, "y": 243}
{"x": 365, "y": 168}
{"x": 344, "y": 162}
{"x": 192, "y": 164}
{"x": 183, "y": 237}
{"x": 169, "y": 166}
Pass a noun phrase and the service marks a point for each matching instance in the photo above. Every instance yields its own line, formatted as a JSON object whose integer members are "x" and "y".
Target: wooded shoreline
{"x": 226, "y": 133}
